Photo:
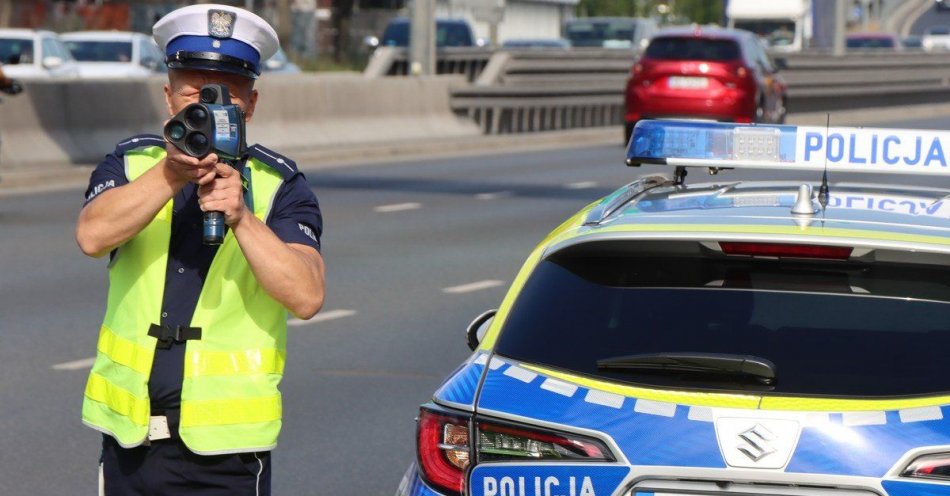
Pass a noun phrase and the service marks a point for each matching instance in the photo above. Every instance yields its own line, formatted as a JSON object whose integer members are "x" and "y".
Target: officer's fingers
{"x": 184, "y": 160}
{"x": 209, "y": 160}
{"x": 224, "y": 170}
{"x": 206, "y": 182}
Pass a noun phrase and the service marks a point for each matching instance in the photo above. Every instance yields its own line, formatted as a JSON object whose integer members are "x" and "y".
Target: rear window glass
{"x": 595, "y": 33}
{"x": 939, "y": 30}
{"x": 870, "y": 43}
{"x": 447, "y": 34}
{"x": 16, "y": 51}
{"x": 101, "y": 51}
{"x": 693, "y": 49}
{"x": 837, "y": 329}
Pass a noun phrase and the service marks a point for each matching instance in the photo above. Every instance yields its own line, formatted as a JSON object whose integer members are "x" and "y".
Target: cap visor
{"x": 213, "y": 66}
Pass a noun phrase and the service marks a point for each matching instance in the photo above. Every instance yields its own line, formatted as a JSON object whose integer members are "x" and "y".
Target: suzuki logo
{"x": 756, "y": 443}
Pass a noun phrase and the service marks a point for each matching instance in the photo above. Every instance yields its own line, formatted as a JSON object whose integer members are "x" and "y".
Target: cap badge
{"x": 220, "y": 23}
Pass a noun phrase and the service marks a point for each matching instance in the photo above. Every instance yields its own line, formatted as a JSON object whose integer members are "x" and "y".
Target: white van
{"x": 35, "y": 54}
{"x": 783, "y": 25}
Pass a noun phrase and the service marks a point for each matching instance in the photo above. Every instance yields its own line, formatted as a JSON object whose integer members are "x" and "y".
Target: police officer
{"x": 192, "y": 346}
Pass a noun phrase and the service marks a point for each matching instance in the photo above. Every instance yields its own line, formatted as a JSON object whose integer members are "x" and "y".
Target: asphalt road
{"x": 414, "y": 252}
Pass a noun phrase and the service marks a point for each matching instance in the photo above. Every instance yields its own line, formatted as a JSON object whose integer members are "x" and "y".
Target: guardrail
{"x": 538, "y": 90}
{"x": 394, "y": 61}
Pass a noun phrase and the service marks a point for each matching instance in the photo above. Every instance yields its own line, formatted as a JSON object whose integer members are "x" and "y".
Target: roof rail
{"x": 613, "y": 203}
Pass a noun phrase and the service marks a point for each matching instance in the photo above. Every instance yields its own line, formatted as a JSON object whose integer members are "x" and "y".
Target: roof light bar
{"x": 736, "y": 146}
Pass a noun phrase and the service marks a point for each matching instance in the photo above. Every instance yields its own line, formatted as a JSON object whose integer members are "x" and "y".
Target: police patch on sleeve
{"x": 308, "y": 232}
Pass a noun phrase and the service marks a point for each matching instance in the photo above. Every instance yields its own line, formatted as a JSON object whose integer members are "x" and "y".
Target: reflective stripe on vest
{"x": 230, "y": 402}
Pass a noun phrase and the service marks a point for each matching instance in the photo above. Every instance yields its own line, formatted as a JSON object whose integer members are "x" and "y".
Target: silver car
{"x": 113, "y": 54}
{"x": 35, "y": 54}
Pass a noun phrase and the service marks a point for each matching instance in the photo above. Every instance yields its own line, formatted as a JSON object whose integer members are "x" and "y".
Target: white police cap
{"x": 216, "y": 38}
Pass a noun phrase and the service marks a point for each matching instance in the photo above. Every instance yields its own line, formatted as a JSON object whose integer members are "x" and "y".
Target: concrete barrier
{"x": 305, "y": 112}
{"x": 81, "y": 121}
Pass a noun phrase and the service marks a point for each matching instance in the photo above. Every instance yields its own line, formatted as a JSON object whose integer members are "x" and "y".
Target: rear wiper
{"x": 760, "y": 369}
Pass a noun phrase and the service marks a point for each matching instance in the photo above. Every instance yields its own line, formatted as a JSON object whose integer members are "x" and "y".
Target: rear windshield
{"x": 693, "y": 49}
{"x": 447, "y": 34}
{"x": 101, "y": 51}
{"x": 16, "y": 51}
{"x": 595, "y": 33}
{"x": 939, "y": 30}
{"x": 837, "y": 329}
{"x": 773, "y": 33}
{"x": 870, "y": 43}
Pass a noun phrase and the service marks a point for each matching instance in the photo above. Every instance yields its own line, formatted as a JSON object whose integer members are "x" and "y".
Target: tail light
{"x": 444, "y": 449}
{"x": 497, "y": 442}
{"x": 935, "y": 466}
{"x": 637, "y": 69}
{"x": 742, "y": 72}
{"x": 786, "y": 250}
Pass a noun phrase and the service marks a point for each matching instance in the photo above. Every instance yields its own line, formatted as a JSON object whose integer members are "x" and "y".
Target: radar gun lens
{"x": 198, "y": 144}
{"x": 197, "y": 117}
{"x": 209, "y": 95}
{"x": 176, "y": 131}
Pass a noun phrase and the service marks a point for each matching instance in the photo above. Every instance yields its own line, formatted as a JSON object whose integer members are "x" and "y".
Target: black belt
{"x": 167, "y": 335}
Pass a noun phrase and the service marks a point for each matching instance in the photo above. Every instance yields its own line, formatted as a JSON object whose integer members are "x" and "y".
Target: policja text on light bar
{"x": 718, "y": 145}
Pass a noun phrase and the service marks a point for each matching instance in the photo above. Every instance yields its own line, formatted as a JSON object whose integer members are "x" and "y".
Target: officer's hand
{"x": 186, "y": 167}
{"x": 222, "y": 191}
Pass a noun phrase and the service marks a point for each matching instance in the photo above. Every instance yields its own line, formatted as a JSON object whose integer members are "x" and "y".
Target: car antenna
{"x": 823, "y": 189}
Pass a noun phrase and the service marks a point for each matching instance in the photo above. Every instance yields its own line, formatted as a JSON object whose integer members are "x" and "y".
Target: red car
{"x": 705, "y": 73}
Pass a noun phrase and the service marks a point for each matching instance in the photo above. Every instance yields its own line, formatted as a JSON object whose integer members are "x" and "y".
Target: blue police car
{"x": 726, "y": 338}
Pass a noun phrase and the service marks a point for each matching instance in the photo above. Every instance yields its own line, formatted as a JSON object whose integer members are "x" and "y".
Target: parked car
{"x": 115, "y": 54}
{"x": 543, "y": 43}
{"x": 279, "y": 63}
{"x": 707, "y": 73}
{"x": 733, "y": 337}
{"x": 913, "y": 42}
{"x": 610, "y": 32}
{"x": 936, "y": 38}
{"x": 873, "y": 42}
{"x": 448, "y": 33}
{"x": 35, "y": 54}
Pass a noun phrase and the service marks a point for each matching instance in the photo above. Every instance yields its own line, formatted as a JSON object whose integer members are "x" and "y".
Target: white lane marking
{"x": 322, "y": 317}
{"x": 559, "y": 387}
{"x": 493, "y": 196}
{"x": 85, "y": 363}
{"x": 520, "y": 373}
{"x": 474, "y": 286}
{"x": 581, "y": 185}
{"x": 604, "y": 398}
{"x": 397, "y": 207}
{"x": 651, "y": 407}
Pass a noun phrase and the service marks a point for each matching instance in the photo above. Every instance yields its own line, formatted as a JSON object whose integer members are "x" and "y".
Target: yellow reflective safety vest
{"x": 229, "y": 400}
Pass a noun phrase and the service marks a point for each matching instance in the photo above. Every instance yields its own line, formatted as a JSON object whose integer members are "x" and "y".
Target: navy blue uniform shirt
{"x": 295, "y": 218}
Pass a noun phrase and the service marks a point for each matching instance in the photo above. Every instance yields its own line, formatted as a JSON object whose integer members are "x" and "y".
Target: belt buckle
{"x": 158, "y": 428}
